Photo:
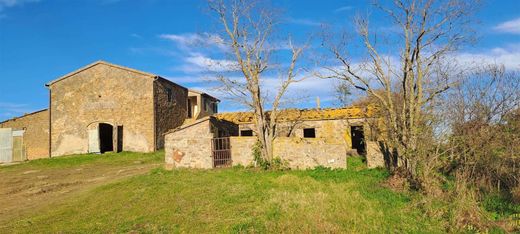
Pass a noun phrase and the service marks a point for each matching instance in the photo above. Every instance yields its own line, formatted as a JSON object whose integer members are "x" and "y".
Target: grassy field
{"x": 232, "y": 200}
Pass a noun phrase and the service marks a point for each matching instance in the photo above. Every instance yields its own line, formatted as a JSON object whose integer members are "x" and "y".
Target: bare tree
{"x": 484, "y": 118}
{"x": 248, "y": 31}
{"x": 404, "y": 83}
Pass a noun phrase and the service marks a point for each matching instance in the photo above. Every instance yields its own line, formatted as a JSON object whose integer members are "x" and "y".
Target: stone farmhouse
{"x": 104, "y": 107}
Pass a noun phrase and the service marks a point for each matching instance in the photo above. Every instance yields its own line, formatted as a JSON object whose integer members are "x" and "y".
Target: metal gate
{"x": 221, "y": 152}
{"x": 18, "y": 146}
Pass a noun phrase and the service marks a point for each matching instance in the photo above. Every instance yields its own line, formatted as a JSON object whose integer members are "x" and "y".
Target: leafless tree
{"x": 485, "y": 121}
{"x": 424, "y": 33}
{"x": 248, "y": 28}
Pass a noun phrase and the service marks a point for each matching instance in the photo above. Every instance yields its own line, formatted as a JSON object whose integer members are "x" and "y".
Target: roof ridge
{"x": 26, "y": 114}
{"x": 97, "y": 63}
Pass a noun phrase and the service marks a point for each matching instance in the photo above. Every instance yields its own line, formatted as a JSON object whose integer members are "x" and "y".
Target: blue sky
{"x": 41, "y": 40}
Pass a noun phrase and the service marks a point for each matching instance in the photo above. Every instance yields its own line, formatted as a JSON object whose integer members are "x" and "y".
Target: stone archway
{"x": 104, "y": 137}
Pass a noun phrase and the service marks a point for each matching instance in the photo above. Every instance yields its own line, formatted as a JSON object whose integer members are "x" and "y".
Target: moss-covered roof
{"x": 305, "y": 114}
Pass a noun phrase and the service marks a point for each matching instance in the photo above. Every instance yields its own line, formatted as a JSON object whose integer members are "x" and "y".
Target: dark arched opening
{"x": 106, "y": 141}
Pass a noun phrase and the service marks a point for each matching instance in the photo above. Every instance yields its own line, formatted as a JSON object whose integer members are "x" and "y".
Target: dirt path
{"x": 27, "y": 189}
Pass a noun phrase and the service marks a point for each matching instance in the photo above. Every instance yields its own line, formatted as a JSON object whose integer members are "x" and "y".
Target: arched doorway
{"x": 106, "y": 137}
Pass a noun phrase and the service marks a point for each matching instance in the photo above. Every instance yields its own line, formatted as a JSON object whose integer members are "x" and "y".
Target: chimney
{"x": 318, "y": 102}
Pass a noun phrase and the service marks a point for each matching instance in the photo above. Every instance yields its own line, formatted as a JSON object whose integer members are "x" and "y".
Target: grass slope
{"x": 234, "y": 200}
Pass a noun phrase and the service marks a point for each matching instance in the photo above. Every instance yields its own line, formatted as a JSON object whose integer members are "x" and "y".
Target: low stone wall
{"x": 302, "y": 153}
{"x": 299, "y": 153}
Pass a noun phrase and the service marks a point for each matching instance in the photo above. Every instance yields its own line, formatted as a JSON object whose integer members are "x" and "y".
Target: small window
{"x": 215, "y": 107}
{"x": 309, "y": 133}
{"x": 169, "y": 94}
{"x": 206, "y": 105}
{"x": 246, "y": 133}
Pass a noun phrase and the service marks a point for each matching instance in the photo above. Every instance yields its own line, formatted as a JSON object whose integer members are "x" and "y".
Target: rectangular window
{"x": 246, "y": 133}
{"x": 215, "y": 107}
{"x": 309, "y": 133}
{"x": 189, "y": 108}
{"x": 206, "y": 105}
{"x": 169, "y": 94}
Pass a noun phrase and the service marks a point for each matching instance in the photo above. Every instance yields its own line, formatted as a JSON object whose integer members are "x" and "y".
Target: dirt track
{"x": 25, "y": 189}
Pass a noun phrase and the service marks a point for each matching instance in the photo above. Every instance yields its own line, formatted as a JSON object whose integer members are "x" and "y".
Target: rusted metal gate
{"x": 221, "y": 152}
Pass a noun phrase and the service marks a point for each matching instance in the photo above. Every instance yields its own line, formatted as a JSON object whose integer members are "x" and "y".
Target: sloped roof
{"x": 305, "y": 114}
{"x": 203, "y": 93}
{"x": 97, "y": 63}
{"x": 24, "y": 115}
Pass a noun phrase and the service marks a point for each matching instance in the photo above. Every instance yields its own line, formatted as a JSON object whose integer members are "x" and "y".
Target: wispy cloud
{"x": 10, "y": 110}
{"x": 509, "y": 56}
{"x": 12, "y": 3}
{"x": 189, "y": 40}
{"x": 343, "y": 8}
{"x": 302, "y": 21}
{"x": 135, "y": 35}
{"x": 511, "y": 26}
{"x": 198, "y": 62}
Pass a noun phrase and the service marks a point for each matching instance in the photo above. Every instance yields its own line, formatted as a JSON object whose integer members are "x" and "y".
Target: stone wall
{"x": 36, "y": 135}
{"x": 335, "y": 131}
{"x": 168, "y": 114}
{"x": 102, "y": 93}
{"x": 242, "y": 150}
{"x": 189, "y": 146}
{"x": 375, "y": 157}
{"x": 302, "y": 153}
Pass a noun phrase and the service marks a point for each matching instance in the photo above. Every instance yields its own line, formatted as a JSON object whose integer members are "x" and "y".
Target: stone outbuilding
{"x": 106, "y": 107}
{"x": 25, "y": 137}
{"x": 305, "y": 139}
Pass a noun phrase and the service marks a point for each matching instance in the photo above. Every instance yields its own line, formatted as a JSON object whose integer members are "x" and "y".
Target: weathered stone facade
{"x": 36, "y": 133}
{"x": 242, "y": 150}
{"x": 142, "y": 105}
{"x": 170, "y": 108}
{"x": 303, "y": 153}
{"x": 105, "y": 107}
{"x": 190, "y": 145}
{"x": 299, "y": 153}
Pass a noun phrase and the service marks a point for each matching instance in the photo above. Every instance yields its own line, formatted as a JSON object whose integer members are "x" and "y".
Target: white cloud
{"x": 511, "y": 26}
{"x": 188, "y": 40}
{"x": 305, "y": 22}
{"x": 509, "y": 56}
{"x": 343, "y": 8}
{"x": 198, "y": 62}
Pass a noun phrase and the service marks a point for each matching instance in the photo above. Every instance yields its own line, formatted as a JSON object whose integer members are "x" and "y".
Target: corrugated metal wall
{"x": 12, "y": 148}
{"x": 6, "y": 145}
